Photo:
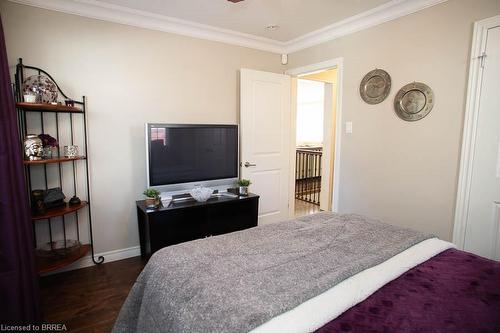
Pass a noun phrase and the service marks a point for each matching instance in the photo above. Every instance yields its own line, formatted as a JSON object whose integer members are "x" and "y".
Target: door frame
{"x": 294, "y": 72}
{"x": 470, "y": 127}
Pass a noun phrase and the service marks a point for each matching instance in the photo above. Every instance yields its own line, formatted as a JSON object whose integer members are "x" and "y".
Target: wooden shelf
{"x": 47, "y": 264}
{"x": 43, "y": 107}
{"x": 54, "y": 160}
{"x": 59, "y": 211}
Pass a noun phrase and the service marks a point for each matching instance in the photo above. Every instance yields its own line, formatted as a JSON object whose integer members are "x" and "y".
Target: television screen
{"x": 190, "y": 153}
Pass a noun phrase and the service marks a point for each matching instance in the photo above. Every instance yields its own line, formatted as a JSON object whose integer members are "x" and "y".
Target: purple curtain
{"x": 19, "y": 302}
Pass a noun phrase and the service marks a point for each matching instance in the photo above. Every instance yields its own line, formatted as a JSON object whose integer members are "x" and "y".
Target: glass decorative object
{"x": 30, "y": 97}
{"x": 70, "y": 151}
{"x": 48, "y": 152}
{"x": 201, "y": 194}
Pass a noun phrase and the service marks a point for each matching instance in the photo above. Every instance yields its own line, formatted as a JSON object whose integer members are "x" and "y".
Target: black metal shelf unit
{"x": 23, "y": 109}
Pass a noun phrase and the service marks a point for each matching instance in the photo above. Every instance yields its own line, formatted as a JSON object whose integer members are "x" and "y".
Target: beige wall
{"x": 131, "y": 76}
{"x": 405, "y": 173}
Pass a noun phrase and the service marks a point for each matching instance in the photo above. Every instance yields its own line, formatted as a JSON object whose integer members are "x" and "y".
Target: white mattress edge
{"x": 327, "y": 306}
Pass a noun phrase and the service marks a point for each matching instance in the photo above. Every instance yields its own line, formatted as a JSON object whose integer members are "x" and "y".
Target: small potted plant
{"x": 152, "y": 197}
{"x": 243, "y": 184}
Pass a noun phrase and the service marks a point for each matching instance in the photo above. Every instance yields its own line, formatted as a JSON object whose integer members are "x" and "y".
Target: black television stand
{"x": 185, "y": 219}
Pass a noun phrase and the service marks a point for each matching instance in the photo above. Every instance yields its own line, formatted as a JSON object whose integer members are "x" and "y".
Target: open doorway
{"x": 316, "y": 103}
{"x": 268, "y": 137}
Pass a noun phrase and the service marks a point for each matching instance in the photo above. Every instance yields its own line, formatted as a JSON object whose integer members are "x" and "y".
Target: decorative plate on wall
{"x": 42, "y": 87}
{"x": 375, "y": 86}
{"x": 414, "y": 101}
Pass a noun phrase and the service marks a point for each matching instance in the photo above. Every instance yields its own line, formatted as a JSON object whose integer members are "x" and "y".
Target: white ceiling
{"x": 303, "y": 23}
{"x": 295, "y": 17}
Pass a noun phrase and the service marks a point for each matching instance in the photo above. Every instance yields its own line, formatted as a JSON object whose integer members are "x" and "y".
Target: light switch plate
{"x": 284, "y": 59}
{"x": 348, "y": 127}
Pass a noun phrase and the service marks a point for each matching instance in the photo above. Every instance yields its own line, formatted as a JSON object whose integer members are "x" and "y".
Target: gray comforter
{"x": 238, "y": 281}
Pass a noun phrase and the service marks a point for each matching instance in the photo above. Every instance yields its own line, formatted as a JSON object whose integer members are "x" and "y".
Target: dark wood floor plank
{"x": 89, "y": 299}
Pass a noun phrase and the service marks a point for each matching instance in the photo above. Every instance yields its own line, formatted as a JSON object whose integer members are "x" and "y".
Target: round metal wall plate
{"x": 414, "y": 101}
{"x": 375, "y": 86}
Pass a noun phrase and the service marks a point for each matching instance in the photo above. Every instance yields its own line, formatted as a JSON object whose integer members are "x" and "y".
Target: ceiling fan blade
{"x": 234, "y": 1}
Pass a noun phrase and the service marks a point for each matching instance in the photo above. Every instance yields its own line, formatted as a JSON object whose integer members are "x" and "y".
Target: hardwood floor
{"x": 89, "y": 299}
{"x": 305, "y": 208}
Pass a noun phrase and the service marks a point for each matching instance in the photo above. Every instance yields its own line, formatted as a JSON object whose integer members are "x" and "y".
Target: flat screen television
{"x": 180, "y": 157}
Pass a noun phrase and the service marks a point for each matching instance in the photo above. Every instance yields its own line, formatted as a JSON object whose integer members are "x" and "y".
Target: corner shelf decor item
{"x": 375, "y": 86}
{"x": 42, "y": 87}
{"x": 414, "y": 101}
{"x": 44, "y": 113}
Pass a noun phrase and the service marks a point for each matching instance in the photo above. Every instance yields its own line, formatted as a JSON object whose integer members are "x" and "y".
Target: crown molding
{"x": 118, "y": 14}
{"x": 123, "y": 15}
{"x": 370, "y": 18}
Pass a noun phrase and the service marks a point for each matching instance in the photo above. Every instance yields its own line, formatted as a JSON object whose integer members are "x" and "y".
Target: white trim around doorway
{"x": 470, "y": 127}
{"x": 309, "y": 69}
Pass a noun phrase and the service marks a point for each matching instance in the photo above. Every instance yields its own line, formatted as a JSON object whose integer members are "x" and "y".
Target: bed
{"x": 325, "y": 272}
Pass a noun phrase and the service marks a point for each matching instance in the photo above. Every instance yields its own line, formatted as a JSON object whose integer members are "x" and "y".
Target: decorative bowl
{"x": 201, "y": 194}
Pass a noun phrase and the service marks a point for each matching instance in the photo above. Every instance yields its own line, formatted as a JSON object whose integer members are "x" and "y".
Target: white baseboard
{"x": 108, "y": 257}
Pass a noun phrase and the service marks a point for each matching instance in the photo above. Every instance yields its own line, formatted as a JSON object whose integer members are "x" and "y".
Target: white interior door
{"x": 482, "y": 233}
{"x": 265, "y": 140}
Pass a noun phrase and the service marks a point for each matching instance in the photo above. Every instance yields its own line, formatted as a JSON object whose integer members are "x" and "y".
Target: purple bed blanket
{"x": 454, "y": 291}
